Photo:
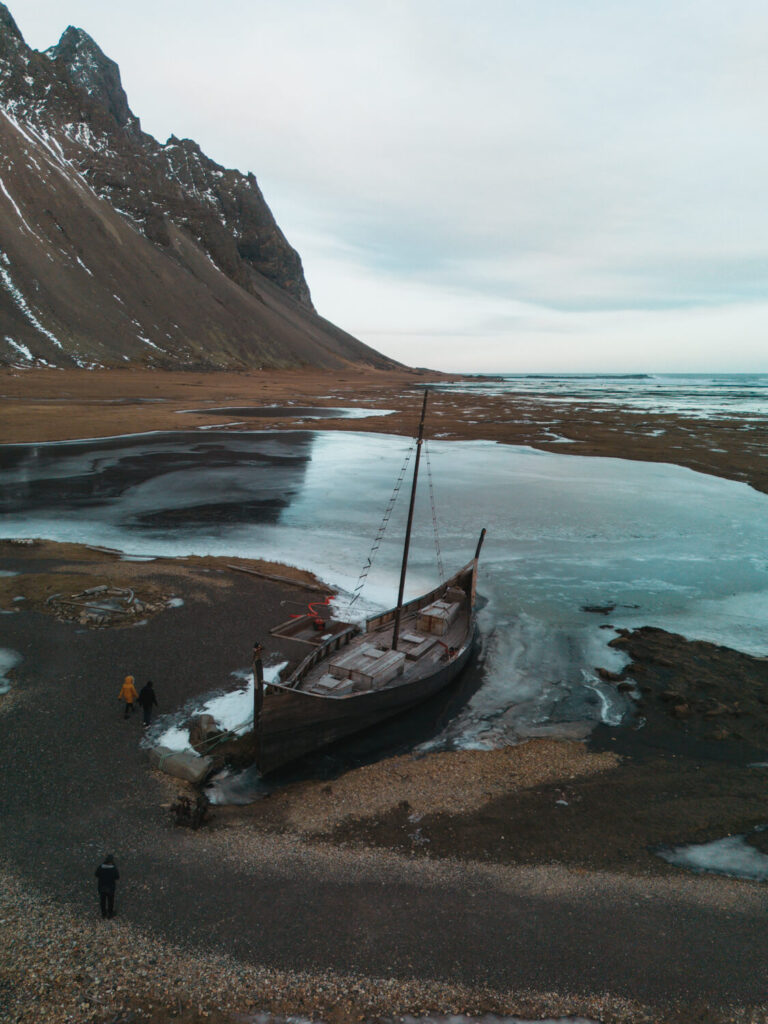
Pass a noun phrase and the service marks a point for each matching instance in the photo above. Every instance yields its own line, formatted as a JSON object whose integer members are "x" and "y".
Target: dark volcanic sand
{"x": 499, "y": 891}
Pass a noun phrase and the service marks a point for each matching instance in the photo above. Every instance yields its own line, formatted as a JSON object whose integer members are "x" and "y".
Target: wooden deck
{"x": 368, "y": 662}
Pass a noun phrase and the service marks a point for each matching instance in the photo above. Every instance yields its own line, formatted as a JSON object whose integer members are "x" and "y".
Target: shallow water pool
{"x": 665, "y": 545}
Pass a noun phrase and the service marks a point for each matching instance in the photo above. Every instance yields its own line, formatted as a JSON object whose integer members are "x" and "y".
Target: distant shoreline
{"x": 58, "y": 405}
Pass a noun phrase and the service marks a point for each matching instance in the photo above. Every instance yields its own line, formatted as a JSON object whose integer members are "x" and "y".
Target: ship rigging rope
{"x": 434, "y": 514}
{"x": 382, "y": 527}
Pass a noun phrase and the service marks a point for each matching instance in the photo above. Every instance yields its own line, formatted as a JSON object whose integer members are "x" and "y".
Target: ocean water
{"x": 700, "y": 395}
{"x": 663, "y": 545}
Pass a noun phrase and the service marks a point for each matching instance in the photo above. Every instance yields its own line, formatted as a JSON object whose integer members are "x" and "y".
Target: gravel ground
{"x": 241, "y": 917}
{"x": 58, "y": 967}
{"x": 452, "y": 782}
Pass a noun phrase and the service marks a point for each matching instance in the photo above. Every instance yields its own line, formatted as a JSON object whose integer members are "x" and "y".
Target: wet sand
{"x": 516, "y": 881}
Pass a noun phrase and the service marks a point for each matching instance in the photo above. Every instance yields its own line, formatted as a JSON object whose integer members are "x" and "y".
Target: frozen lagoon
{"x": 666, "y": 546}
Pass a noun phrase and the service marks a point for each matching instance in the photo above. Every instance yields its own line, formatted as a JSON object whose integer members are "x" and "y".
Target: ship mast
{"x": 399, "y": 609}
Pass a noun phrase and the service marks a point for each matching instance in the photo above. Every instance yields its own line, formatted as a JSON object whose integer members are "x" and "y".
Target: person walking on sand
{"x": 107, "y": 876}
{"x": 147, "y": 698}
{"x": 128, "y": 694}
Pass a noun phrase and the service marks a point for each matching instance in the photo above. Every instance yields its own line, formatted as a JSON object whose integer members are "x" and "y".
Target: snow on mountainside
{"x": 116, "y": 249}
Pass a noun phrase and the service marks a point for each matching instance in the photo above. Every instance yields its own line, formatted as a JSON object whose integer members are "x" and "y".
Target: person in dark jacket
{"x": 107, "y": 876}
{"x": 147, "y": 698}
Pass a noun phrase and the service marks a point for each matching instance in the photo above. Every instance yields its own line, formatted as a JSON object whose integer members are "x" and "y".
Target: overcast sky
{"x": 486, "y": 185}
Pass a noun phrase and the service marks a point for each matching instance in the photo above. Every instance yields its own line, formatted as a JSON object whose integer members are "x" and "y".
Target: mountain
{"x": 116, "y": 249}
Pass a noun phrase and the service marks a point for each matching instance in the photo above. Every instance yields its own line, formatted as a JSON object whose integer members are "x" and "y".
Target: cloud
{"x": 465, "y": 328}
{"x": 601, "y": 165}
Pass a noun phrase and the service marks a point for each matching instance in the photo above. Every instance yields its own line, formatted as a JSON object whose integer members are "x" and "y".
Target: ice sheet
{"x": 8, "y": 660}
{"x": 294, "y": 412}
{"x": 665, "y": 545}
{"x": 730, "y": 856}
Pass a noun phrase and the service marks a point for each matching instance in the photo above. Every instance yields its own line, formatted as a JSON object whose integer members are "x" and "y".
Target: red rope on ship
{"x": 317, "y": 620}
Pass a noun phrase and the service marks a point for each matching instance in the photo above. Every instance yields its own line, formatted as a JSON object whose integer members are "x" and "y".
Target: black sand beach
{"x": 518, "y": 881}
{"x": 505, "y": 900}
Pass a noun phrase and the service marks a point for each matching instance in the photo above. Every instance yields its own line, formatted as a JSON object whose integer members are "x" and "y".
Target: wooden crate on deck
{"x": 437, "y": 617}
{"x": 368, "y": 666}
{"x": 414, "y": 645}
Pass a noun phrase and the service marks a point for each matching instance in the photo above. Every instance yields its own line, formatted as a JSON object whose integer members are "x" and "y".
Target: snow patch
{"x": 232, "y": 711}
{"x": 22, "y": 304}
{"x": 20, "y": 348}
{"x": 20, "y": 215}
{"x": 731, "y": 856}
{"x": 8, "y": 660}
{"x": 150, "y": 343}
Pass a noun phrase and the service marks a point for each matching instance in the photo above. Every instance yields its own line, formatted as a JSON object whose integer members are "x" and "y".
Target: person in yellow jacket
{"x": 129, "y": 695}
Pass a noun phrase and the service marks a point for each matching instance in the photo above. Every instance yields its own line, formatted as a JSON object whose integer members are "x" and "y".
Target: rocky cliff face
{"x": 116, "y": 248}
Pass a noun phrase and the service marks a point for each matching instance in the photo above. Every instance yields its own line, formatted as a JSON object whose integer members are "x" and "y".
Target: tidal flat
{"x": 450, "y": 872}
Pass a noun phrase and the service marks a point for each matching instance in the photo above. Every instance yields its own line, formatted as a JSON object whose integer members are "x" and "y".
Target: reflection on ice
{"x": 658, "y": 544}
{"x": 154, "y": 481}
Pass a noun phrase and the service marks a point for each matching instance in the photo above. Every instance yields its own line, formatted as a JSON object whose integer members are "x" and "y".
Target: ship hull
{"x": 293, "y": 723}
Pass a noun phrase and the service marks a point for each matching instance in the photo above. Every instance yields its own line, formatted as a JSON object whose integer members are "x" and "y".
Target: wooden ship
{"x": 358, "y": 675}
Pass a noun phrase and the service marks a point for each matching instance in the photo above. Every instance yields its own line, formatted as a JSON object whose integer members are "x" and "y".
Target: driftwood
{"x": 102, "y": 605}
{"x": 188, "y": 814}
{"x": 318, "y": 588}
